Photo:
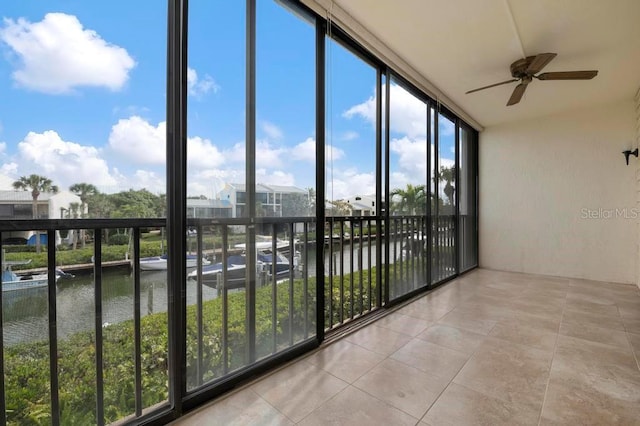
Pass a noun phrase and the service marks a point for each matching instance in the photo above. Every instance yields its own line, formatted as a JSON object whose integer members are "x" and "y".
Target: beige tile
{"x": 632, "y": 325}
{"x": 537, "y": 308}
{"x": 425, "y": 312}
{"x": 594, "y": 298}
{"x": 592, "y": 308}
{"x": 242, "y": 408}
{"x": 355, "y": 407}
{"x": 551, "y": 324}
{"x": 595, "y": 334}
{"x": 525, "y": 335}
{"x": 402, "y": 386}
{"x": 379, "y": 339}
{"x": 581, "y": 318}
{"x": 629, "y": 310}
{"x": 459, "y": 405}
{"x": 541, "y": 300}
{"x": 431, "y": 358}
{"x": 345, "y": 360}
{"x": 600, "y": 363}
{"x": 403, "y": 324}
{"x": 634, "y": 339}
{"x": 453, "y": 338}
{"x": 508, "y": 371}
{"x": 469, "y": 321}
{"x": 573, "y": 401}
{"x": 298, "y": 389}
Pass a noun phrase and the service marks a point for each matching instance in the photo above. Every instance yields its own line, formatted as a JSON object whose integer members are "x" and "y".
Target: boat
{"x": 13, "y": 282}
{"x": 159, "y": 263}
{"x": 236, "y": 270}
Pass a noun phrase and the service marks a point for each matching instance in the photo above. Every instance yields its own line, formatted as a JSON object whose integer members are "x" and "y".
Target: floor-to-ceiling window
{"x": 352, "y": 157}
{"x": 259, "y": 81}
{"x": 444, "y": 197}
{"x": 408, "y": 191}
{"x": 467, "y": 198}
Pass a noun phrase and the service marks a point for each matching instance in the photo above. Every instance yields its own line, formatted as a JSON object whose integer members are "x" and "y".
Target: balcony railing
{"x": 95, "y": 349}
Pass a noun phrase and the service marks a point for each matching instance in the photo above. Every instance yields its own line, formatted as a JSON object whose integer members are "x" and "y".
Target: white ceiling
{"x": 459, "y": 45}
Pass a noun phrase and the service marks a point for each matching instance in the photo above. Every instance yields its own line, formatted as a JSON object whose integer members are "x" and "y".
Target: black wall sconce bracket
{"x": 628, "y": 152}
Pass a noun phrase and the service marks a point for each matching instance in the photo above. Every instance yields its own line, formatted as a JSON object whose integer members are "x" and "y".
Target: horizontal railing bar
{"x": 60, "y": 224}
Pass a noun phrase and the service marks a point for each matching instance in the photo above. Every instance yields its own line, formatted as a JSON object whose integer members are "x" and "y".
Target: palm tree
{"x": 36, "y": 184}
{"x": 447, "y": 174}
{"x": 84, "y": 191}
{"x": 412, "y": 199}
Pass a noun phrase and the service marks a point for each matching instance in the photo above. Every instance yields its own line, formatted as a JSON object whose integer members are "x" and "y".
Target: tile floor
{"x": 489, "y": 348}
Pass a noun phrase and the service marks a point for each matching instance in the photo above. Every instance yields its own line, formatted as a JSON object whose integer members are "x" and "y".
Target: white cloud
{"x": 271, "y": 130}
{"x": 349, "y": 136}
{"x": 138, "y": 141}
{"x": 277, "y": 177}
{"x": 3, "y": 147}
{"x": 267, "y": 155}
{"x": 57, "y": 55}
{"x": 200, "y": 86}
{"x": 348, "y": 183}
{"x": 9, "y": 169}
{"x": 408, "y": 113}
{"x": 64, "y": 162}
{"x": 151, "y": 181}
{"x": 412, "y": 157}
{"x": 306, "y": 151}
{"x": 202, "y": 153}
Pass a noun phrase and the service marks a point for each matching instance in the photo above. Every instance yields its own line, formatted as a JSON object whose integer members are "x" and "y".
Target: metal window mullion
{"x": 53, "y": 330}
{"x": 341, "y": 256}
{"x": 137, "y": 337}
{"x": 250, "y": 171}
{"x": 3, "y": 405}
{"x": 456, "y": 188}
{"x": 379, "y": 187}
{"x": 176, "y": 199}
{"x": 369, "y": 263}
{"x": 360, "y": 266}
{"x": 274, "y": 289}
{"x": 387, "y": 138}
{"x": 225, "y": 302}
{"x": 305, "y": 278}
{"x": 199, "y": 310}
{"x": 97, "y": 274}
{"x": 436, "y": 148}
{"x": 351, "y": 296}
{"x": 292, "y": 252}
{"x": 320, "y": 177}
{"x": 428, "y": 231}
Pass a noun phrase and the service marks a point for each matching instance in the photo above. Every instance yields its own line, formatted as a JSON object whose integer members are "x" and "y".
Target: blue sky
{"x": 83, "y": 100}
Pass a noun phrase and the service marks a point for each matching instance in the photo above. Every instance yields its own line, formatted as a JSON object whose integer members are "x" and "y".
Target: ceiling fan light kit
{"x": 525, "y": 70}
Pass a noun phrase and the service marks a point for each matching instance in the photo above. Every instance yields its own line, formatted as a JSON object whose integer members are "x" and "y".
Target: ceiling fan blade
{"x": 539, "y": 62}
{"x": 568, "y": 75}
{"x": 517, "y": 94}
{"x": 492, "y": 85}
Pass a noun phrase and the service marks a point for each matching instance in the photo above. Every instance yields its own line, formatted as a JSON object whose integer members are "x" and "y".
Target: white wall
{"x": 537, "y": 180}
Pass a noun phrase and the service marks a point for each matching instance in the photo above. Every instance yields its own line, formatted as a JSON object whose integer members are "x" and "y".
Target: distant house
{"x": 271, "y": 200}
{"x": 209, "y": 208}
{"x": 18, "y": 205}
{"x": 362, "y": 205}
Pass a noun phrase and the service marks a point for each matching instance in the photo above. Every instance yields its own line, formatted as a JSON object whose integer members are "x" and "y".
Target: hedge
{"x": 27, "y": 364}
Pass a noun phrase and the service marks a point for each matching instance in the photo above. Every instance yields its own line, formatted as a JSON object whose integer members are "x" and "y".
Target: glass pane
{"x": 467, "y": 221}
{"x": 408, "y": 177}
{"x": 444, "y": 221}
{"x": 216, "y": 173}
{"x": 83, "y": 128}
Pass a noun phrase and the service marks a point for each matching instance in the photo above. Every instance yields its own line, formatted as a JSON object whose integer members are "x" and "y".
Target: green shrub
{"x": 118, "y": 239}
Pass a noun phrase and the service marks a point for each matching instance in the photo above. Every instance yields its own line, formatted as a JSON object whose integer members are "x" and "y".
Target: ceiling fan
{"x": 525, "y": 70}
